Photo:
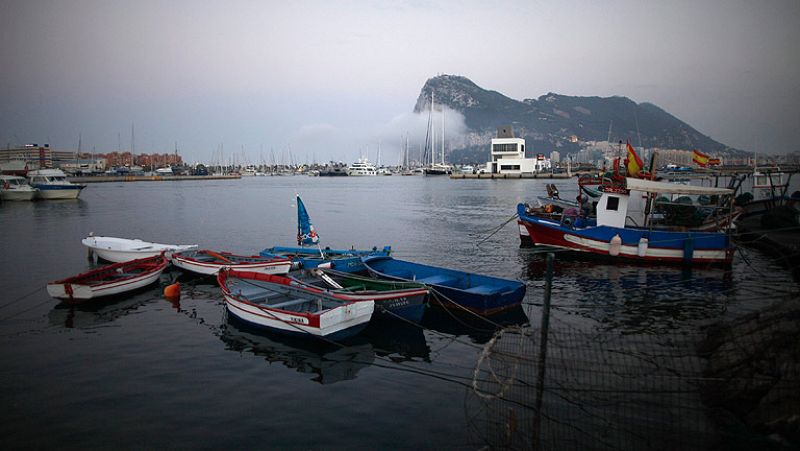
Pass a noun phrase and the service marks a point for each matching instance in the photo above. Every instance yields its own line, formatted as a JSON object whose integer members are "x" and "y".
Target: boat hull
{"x": 637, "y": 244}
{"x": 18, "y": 195}
{"x": 212, "y": 268}
{"x": 50, "y": 192}
{"x": 453, "y": 289}
{"x": 345, "y": 260}
{"x": 390, "y": 300}
{"x": 119, "y": 250}
{"x": 335, "y": 324}
{"x": 77, "y": 292}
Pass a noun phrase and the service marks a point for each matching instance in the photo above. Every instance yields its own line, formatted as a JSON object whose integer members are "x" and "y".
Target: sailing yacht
{"x": 436, "y": 168}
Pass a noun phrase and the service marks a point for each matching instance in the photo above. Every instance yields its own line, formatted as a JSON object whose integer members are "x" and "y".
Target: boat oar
{"x": 218, "y": 256}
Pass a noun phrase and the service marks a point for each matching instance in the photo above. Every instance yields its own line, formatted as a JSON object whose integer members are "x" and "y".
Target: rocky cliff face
{"x": 554, "y": 121}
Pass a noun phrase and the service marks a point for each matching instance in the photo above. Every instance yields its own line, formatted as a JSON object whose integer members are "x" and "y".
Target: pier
{"x": 150, "y": 178}
{"x": 533, "y": 175}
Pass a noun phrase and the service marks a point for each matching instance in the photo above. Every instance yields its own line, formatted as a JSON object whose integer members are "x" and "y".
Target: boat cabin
{"x": 47, "y": 177}
{"x": 612, "y": 208}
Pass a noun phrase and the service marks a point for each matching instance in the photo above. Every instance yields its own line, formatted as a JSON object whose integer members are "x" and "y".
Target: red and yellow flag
{"x": 700, "y": 158}
{"x": 633, "y": 163}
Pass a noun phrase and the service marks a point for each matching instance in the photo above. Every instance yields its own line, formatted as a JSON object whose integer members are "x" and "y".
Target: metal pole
{"x": 545, "y": 326}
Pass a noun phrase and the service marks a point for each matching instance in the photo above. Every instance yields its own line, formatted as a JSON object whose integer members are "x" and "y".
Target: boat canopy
{"x": 651, "y": 186}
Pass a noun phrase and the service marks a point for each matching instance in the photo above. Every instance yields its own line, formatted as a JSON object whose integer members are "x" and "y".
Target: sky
{"x": 323, "y": 80}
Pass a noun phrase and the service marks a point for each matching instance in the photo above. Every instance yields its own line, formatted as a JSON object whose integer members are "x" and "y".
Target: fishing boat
{"x": 613, "y": 232}
{"x": 485, "y": 295}
{"x": 53, "y": 184}
{"x": 770, "y": 190}
{"x": 123, "y": 249}
{"x": 209, "y": 262}
{"x": 392, "y": 298}
{"x": 14, "y": 187}
{"x": 109, "y": 280}
{"x": 348, "y": 260}
{"x": 271, "y": 302}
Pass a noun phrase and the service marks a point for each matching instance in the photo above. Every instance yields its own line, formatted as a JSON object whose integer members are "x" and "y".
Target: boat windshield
{"x": 57, "y": 179}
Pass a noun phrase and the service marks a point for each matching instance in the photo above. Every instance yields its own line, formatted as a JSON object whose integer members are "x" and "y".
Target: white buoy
{"x": 614, "y": 246}
{"x": 642, "y": 251}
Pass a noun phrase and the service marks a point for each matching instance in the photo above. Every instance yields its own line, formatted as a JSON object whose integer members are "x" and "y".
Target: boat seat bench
{"x": 482, "y": 289}
{"x": 439, "y": 280}
{"x": 289, "y": 303}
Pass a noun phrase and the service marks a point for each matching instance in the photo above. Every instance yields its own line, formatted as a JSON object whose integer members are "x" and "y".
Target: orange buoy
{"x": 173, "y": 291}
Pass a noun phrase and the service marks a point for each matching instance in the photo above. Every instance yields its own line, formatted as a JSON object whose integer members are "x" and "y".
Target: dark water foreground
{"x": 141, "y": 372}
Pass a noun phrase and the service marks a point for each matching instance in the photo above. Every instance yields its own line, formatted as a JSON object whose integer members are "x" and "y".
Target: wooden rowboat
{"x": 109, "y": 280}
{"x": 209, "y": 262}
{"x": 485, "y": 295}
{"x": 392, "y": 297}
{"x": 123, "y": 249}
{"x": 270, "y": 302}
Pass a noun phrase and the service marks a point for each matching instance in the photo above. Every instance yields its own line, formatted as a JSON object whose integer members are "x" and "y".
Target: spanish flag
{"x": 699, "y": 158}
{"x": 633, "y": 163}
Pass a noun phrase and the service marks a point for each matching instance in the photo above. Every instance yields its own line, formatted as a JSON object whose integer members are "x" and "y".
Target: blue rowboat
{"x": 481, "y": 294}
{"x": 345, "y": 260}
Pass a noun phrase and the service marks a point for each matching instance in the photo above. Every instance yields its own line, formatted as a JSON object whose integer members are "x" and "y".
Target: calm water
{"x": 142, "y": 372}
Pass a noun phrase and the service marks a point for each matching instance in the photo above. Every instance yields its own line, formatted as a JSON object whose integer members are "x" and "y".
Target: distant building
{"x": 508, "y": 155}
{"x": 555, "y": 157}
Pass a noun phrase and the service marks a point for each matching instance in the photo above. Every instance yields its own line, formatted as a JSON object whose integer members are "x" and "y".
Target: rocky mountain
{"x": 559, "y": 122}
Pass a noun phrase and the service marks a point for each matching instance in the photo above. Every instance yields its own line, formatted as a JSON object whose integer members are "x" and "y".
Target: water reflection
{"x": 99, "y": 312}
{"x": 635, "y": 298}
{"x": 328, "y": 362}
{"x": 477, "y": 328}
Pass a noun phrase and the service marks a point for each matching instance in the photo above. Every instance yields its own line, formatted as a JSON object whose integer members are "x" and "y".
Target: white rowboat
{"x": 209, "y": 262}
{"x": 123, "y": 249}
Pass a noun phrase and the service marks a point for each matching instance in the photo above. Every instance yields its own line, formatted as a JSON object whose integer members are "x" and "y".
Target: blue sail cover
{"x": 306, "y": 235}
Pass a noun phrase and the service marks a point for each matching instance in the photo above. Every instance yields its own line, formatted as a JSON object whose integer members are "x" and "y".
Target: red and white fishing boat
{"x": 209, "y": 262}
{"x": 271, "y": 302}
{"x": 109, "y": 280}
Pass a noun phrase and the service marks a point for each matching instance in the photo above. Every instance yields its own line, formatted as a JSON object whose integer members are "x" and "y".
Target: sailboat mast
{"x": 433, "y": 133}
{"x": 442, "y": 136}
{"x": 406, "y": 166}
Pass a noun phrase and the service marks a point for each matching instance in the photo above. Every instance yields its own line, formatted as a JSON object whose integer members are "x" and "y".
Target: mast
{"x": 433, "y": 133}
{"x": 406, "y": 166}
{"x": 442, "y": 136}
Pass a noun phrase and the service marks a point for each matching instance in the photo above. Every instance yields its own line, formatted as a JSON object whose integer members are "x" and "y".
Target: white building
{"x": 555, "y": 156}
{"x": 508, "y": 155}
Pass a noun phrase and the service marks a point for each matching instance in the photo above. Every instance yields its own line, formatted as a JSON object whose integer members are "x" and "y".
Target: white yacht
{"x": 53, "y": 184}
{"x": 362, "y": 168}
{"x": 14, "y": 187}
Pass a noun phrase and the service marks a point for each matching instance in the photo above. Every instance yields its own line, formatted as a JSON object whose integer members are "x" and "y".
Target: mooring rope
{"x": 495, "y": 230}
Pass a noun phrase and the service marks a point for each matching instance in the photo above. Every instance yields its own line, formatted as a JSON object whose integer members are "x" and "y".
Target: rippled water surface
{"x": 142, "y": 372}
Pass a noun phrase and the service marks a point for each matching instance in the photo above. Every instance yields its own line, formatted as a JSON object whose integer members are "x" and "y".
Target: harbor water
{"x": 144, "y": 372}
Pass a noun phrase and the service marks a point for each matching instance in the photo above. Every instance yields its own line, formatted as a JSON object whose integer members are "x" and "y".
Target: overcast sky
{"x": 329, "y": 79}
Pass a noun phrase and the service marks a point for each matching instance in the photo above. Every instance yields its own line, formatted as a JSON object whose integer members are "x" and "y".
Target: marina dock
{"x": 149, "y": 178}
{"x": 512, "y": 176}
